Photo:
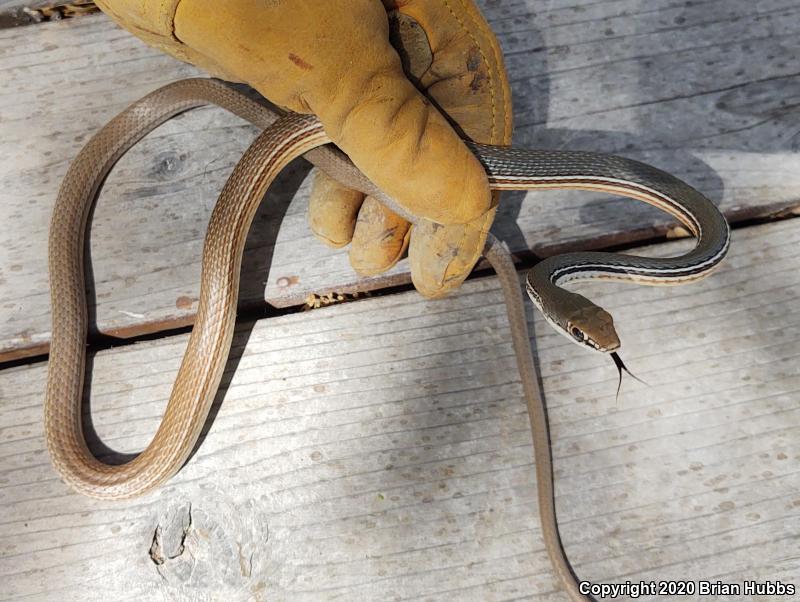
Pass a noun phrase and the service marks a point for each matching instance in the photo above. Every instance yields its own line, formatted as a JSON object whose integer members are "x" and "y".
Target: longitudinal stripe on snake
{"x": 207, "y": 351}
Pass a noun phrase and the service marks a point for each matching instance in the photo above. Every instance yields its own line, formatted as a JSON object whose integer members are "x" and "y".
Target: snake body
{"x": 284, "y": 138}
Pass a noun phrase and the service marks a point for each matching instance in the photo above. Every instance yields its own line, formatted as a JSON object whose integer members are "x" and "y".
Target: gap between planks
{"x": 381, "y": 449}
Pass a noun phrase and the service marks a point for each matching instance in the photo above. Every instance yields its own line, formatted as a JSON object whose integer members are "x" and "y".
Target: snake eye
{"x": 577, "y": 333}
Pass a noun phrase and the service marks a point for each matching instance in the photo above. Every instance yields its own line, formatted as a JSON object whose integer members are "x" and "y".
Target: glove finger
{"x": 466, "y": 76}
{"x": 334, "y": 59}
{"x": 441, "y": 257}
{"x": 332, "y": 210}
{"x": 398, "y": 138}
{"x": 379, "y": 240}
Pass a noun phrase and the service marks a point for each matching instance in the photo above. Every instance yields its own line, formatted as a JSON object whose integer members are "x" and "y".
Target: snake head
{"x": 589, "y": 325}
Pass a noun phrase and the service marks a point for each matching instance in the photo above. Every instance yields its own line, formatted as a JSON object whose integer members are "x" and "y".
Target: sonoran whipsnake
{"x": 285, "y": 138}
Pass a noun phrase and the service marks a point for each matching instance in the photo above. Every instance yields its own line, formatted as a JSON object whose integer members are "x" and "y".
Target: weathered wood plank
{"x": 701, "y": 89}
{"x": 18, "y": 6}
{"x": 72, "y": 6}
{"x": 7, "y": 5}
{"x": 15, "y": 13}
{"x": 380, "y": 450}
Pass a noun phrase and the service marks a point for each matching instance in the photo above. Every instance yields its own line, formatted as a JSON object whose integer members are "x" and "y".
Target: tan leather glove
{"x": 333, "y": 58}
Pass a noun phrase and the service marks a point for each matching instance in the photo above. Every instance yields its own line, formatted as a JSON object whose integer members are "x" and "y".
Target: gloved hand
{"x": 333, "y": 58}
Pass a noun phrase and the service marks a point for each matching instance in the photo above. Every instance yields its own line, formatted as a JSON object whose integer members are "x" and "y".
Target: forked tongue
{"x": 620, "y": 367}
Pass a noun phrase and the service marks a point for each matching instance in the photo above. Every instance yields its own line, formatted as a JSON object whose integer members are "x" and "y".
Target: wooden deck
{"x": 657, "y": 85}
{"x": 379, "y": 450}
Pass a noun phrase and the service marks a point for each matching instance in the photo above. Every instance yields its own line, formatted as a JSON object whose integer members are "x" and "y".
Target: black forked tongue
{"x": 620, "y": 367}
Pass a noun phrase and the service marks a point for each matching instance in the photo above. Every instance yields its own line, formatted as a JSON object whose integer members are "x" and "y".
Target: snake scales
{"x": 284, "y": 138}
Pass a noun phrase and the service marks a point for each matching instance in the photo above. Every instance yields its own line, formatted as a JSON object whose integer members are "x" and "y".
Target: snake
{"x": 286, "y": 136}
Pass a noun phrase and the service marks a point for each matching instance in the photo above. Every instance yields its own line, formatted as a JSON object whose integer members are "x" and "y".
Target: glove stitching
{"x": 485, "y": 61}
{"x": 482, "y": 25}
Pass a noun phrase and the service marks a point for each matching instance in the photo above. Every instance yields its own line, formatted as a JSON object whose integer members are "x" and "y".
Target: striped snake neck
{"x": 523, "y": 169}
{"x": 569, "y": 313}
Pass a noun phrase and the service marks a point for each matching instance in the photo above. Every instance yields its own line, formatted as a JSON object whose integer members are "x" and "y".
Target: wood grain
{"x": 9, "y": 5}
{"x": 17, "y": 13}
{"x": 380, "y": 450}
{"x": 704, "y": 90}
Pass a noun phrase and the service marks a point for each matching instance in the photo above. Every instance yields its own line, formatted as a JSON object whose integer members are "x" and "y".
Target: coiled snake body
{"x": 284, "y": 138}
